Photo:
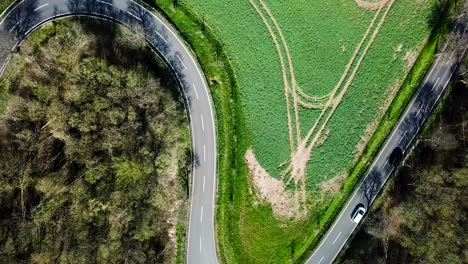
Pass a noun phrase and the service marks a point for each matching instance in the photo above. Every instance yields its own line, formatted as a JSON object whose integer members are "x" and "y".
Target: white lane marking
{"x": 204, "y": 183}
{"x": 435, "y": 84}
{"x": 205, "y": 86}
{"x": 445, "y": 46}
{"x": 204, "y": 153}
{"x": 419, "y": 111}
{"x": 44, "y": 5}
{"x": 402, "y": 137}
{"x": 385, "y": 165}
{"x": 14, "y": 26}
{"x": 450, "y": 58}
{"x": 195, "y": 89}
{"x": 395, "y": 129}
{"x": 448, "y": 80}
{"x": 106, "y": 3}
{"x": 320, "y": 261}
{"x": 200, "y": 244}
{"x": 430, "y": 73}
{"x": 202, "y": 123}
{"x": 336, "y": 238}
{"x": 201, "y": 215}
{"x": 463, "y": 55}
{"x": 161, "y": 36}
{"x": 180, "y": 59}
{"x": 134, "y": 16}
{"x": 11, "y": 10}
{"x": 354, "y": 227}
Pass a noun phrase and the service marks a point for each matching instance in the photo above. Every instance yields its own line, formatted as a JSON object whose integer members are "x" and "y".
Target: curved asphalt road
{"x": 395, "y": 147}
{"x": 23, "y": 17}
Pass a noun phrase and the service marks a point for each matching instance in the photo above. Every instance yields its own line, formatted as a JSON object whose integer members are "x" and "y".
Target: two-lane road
{"x": 23, "y": 17}
{"x": 389, "y": 156}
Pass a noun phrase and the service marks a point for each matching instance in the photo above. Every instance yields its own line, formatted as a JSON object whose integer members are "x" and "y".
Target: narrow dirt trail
{"x": 351, "y": 78}
{"x": 343, "y": 76}
{"x": 291, "y": 69}
{"x": 283, "y": 70}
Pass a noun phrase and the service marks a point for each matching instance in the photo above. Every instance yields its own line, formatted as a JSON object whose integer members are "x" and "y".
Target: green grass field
{"x": 321, "y": 37}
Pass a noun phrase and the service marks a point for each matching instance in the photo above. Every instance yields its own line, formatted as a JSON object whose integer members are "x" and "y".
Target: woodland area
{"x": 94, "y": 150}
{"x": 422, "y": 216}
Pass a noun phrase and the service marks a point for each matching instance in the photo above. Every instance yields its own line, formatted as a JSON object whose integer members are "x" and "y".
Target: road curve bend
{"x": 25, "y": 16}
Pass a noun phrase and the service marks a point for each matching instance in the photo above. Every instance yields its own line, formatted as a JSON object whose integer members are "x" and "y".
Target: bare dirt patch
{"x": 271, "y": 189}
{"x": 333, "y": 185}
{"x": 409, "y": 58}
{"x": 370, "y": 4}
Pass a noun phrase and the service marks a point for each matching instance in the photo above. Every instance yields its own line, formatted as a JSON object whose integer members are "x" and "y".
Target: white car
{"x": 358, "y": 213}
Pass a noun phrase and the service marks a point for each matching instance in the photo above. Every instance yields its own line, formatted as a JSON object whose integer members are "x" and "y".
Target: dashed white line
{"x": 106, "y": 3}
{"x": 385, "y": 165}
{"x": 445, "y": 46}
{"x": 450, "y": 58}
{"x": 336, "y": 238}
{"x": 42, "y": 6}
{"x": 204, "y": 153}
{"x": 419, "y": 111}
{"x": 180, "y": 59}
{"x": 430, "y": 73}
{"x": 14, "y": 26}
{"x": 463, "y": 55}
{"x": 202, "y": 123}
{"x": 402, "y": 137}
{"x": 161, "y": 36}
{"x": 134, "y": 16}
{"x": 320, "y": 261}
{"x": 201, "y": 215}
{"x": 195, "y": 89}
{"x": 204, "y": 183}
{"x": 200, "y": 245}
{"x": 435, "y": 84}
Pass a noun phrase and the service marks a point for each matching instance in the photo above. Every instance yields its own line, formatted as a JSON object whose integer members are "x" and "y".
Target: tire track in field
{"x": 291, "y": 68}
{"x": 283, "y": 71}
{"x": 351, "y": 78}
{"x": 299, "y": 159}
{"x": 300, "y": 156}
{"x": 345, "y": 73}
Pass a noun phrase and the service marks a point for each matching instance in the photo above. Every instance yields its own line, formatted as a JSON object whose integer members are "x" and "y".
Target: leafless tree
{"x": 22, "y": 18}
{"x": 371, "y": 186}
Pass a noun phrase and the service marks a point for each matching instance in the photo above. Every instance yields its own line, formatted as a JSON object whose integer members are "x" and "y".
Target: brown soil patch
{"x": 288, "y": 204}
{"x": 271, "y": 189}
{"x": 333, "y": 185}
{"x": 370, "y": 4}
{"x": 409, "y": 59}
